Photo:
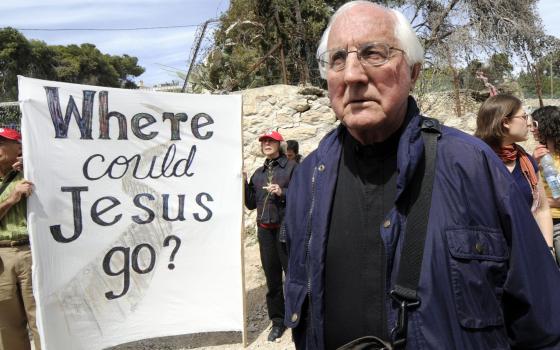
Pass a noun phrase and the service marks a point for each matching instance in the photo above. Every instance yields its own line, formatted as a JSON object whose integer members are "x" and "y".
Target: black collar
{"x": 280, "y": 161}
{"x": 379, "y": 150}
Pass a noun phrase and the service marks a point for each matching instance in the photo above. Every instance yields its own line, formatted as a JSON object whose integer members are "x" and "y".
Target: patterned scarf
{"x": 511, "y": 153}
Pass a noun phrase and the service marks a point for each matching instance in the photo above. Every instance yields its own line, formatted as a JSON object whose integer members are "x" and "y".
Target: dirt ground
{"x": 258, "y": 324}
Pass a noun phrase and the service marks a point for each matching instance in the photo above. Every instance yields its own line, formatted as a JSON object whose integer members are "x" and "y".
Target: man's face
{"x": 369, "y": 100}
{"x": 9, "y": 151}
{"x": 270, "y": 148}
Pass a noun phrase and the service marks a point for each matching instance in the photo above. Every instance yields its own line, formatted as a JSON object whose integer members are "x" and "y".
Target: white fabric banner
{"x": 135, "y": 221}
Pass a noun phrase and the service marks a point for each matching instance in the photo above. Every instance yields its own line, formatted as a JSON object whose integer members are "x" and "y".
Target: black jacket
{"x": 270, "y": 207}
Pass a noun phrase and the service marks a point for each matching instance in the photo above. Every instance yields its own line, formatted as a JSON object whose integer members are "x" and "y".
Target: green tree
{"x": 127, "y": 69}
{"x": 499, "y": 67}
{"x": 496, "y": 69}
{"x": 81, "y": 64}
{"x": 266, "y": 42}
{"x": 10, "y": 116}
{"x": 254, "y": 36}
{"x": 85, "y": 64}
{"x": 548, "y": 68}
{"x": 43, "y": 60}
{"x": 15, "y": 58}
{"x": 468, "y": 78}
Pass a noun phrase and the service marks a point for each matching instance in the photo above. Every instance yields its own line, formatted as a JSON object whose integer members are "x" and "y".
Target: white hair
{"x": 414, "y": 52}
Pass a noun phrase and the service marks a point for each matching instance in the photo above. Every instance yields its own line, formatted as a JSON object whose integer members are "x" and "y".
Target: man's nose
{"x": 354, "y": 71}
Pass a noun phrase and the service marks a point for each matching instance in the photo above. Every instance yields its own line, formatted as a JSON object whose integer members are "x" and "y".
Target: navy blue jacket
{"x": 488, "y": 280}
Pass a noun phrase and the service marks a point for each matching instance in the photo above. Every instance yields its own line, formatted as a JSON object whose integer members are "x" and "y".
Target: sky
{"x": 154, "y": 48}
{"x": 549, "y": 11}
{"x": 157, "y": 50}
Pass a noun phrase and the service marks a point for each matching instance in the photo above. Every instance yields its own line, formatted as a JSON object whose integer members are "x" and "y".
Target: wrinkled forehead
{"x": 362, "y": 24}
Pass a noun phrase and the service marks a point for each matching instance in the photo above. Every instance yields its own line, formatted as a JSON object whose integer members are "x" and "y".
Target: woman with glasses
{"x": 501, "y": 123}
{"x": 547, "y": 131}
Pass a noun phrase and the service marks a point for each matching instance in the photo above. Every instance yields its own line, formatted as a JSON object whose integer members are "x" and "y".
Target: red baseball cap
{"x": 274, "y": 135}
{"x": 10, "y": 134}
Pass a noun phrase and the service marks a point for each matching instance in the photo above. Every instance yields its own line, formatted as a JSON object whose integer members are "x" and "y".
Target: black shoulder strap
{"x": 7, "y": 181}
{"x": 416, "y": 226}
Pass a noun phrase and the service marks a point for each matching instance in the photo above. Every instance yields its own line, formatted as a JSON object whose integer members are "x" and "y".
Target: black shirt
{"x": 355, "y": 268}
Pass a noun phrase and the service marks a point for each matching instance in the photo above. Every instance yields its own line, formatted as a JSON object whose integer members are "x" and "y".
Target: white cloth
{"x": 127, "y": 219}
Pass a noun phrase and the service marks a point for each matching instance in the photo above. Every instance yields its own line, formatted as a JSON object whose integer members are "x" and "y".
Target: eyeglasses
{"x": 523, "y": 116}
{"x": 535, "y": 124}
{"x": 371, "y": 54}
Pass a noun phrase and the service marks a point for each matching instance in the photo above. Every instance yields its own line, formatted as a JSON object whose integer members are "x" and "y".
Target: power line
{"x": 105, "y": 29}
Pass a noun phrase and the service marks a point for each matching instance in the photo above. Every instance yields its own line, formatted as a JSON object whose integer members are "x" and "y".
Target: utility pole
{"x": 194, "y": 51}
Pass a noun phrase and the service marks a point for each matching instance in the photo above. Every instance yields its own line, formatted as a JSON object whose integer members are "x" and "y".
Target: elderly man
{"x": 486, "y": 279}
{"x": 17, "y": 305}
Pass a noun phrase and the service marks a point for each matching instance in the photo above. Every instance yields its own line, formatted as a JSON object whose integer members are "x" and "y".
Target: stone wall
{"x": 301, "y": 114}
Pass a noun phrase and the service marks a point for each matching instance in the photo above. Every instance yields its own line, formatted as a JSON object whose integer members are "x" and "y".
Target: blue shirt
{"x": 522, "y": 181}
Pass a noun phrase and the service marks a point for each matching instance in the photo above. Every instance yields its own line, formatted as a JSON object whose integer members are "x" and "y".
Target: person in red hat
{"x": 17, "y": 305}
{"x": 266, "y": 191}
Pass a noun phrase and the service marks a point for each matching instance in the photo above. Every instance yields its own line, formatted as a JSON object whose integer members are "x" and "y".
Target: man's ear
{"x": 414, "y": 74}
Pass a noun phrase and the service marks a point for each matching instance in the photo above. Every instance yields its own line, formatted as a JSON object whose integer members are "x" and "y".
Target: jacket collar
{"x": 281, "y": 161}
{"x": 410, "y": 149}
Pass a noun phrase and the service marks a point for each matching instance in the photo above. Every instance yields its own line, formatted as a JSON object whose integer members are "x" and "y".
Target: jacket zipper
{"x": 307, "y": 251}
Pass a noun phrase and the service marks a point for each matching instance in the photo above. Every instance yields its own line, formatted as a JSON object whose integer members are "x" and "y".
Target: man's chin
{"x": 366, "y": 119}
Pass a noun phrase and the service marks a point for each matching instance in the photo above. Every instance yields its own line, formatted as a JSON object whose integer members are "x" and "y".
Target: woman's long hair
{"x": 489, "y": 121}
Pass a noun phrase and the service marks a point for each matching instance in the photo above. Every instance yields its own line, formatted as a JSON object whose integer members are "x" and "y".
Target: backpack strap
{"x": 408, "y": 276}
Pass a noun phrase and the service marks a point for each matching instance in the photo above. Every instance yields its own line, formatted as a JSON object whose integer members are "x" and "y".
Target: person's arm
{"x": 539, "y": 152}
{"x": 553, "y": 203}
{"x": 542, "y": 215}
{"x": 21, "y": 190}
{"x": 250, "y": 195}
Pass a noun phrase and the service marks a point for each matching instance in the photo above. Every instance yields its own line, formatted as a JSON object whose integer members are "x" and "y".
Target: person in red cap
{"x": 266, "y": 191}
{"x": 17, "y": 305}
